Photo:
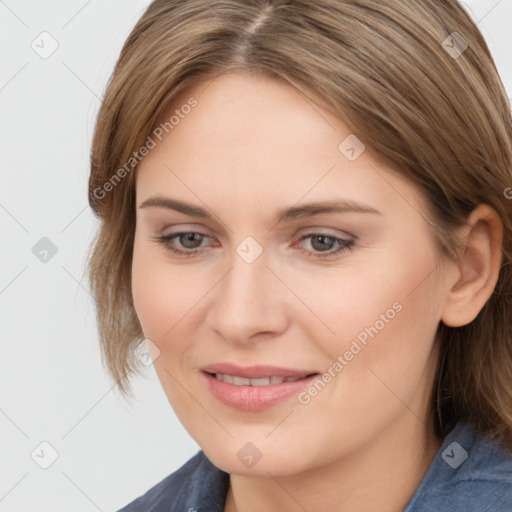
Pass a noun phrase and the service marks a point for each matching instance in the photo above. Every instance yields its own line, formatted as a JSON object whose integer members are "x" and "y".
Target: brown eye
{"x": 322, "y": 242}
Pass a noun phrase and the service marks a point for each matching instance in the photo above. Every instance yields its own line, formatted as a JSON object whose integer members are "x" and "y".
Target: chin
{"x": 248, "y": 460}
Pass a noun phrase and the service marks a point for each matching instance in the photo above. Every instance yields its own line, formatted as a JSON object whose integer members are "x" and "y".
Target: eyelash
{"x": 344, "y": 245}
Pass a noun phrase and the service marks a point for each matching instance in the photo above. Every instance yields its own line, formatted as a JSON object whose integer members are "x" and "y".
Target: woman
{"x": 304, "y": 214}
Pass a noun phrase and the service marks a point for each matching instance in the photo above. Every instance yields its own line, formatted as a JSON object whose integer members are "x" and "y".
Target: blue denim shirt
{"x": 469, "y": 473}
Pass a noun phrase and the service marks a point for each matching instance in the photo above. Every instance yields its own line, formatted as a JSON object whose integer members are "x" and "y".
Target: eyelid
{"x": 303, "y": 233}
{"x": 334, "y": 232}
{"x": 344, "y": 244}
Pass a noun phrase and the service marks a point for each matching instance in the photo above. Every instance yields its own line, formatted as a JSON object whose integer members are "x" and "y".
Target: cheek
{"x": 385, "y": 322}
{"x": 146, "y": 294}
{"x": 159, "y": 295}
{"x": 385, "y": 360}
{"x": 163, "y": 306}
{"x": 390, "y": 296}
{"x": 169, "y": 301}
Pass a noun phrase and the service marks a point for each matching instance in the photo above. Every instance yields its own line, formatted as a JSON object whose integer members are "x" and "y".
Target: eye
{"x": 190, "y": 244}
{"x": 189, "y": 240}
{"x": 325, "y": 245}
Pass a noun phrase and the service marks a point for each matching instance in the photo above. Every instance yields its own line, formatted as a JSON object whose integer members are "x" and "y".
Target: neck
{"x": 383, "y": 475}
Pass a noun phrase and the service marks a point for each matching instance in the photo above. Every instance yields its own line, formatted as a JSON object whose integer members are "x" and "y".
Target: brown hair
{"x": 404, "y": 84}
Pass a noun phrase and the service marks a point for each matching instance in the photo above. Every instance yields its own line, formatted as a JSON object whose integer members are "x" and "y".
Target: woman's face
{"x": 352, "y": 294}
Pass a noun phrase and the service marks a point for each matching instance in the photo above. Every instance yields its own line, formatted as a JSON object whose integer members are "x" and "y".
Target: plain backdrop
{"x": 57, "y": 405}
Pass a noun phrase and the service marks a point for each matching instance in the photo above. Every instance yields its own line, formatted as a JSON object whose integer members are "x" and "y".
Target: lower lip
{"x": 254, "y": 398}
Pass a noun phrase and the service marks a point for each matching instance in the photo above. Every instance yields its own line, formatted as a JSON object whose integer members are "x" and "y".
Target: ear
{"x": 477, "y": 269}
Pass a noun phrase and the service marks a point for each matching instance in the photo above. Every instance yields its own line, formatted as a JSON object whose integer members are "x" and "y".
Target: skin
{"x": 250, "y": 147}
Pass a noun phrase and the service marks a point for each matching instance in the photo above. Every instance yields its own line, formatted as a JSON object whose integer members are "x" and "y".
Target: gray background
{"x": 53, "y": 387}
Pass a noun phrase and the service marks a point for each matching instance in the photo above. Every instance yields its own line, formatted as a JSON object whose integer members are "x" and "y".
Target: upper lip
{"x": 255, "y": 371}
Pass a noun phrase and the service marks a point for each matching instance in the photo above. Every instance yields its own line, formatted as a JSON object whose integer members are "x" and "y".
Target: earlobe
{"x": 477, "y": 268}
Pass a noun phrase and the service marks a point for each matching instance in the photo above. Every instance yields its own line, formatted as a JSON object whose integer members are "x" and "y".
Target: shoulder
{"x": 469, "y": 473}
{"x": 197, "y": 481}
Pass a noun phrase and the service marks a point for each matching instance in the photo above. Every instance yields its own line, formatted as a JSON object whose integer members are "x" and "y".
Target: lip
{"x": 255, "y": 371}
{"x": 254, "y": 398}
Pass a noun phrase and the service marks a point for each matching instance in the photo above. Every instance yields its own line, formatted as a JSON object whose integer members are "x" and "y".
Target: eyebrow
{"x": 285, "y": 214}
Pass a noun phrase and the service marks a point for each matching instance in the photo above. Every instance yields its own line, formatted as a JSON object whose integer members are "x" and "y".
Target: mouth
{"x": 237, "y": 380}
{"x": 254, "y": 388}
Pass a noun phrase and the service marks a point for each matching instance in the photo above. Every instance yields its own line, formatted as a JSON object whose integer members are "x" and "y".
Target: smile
{"x": 253, "y": 394}
{"x": 244, "y": 381}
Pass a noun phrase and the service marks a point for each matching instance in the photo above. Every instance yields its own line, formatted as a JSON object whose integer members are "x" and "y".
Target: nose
{"x": 248, "y": 303}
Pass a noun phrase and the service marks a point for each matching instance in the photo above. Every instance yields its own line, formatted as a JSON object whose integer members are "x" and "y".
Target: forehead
{"x": 238, "y": 111}
{"x": 251, "y": 137}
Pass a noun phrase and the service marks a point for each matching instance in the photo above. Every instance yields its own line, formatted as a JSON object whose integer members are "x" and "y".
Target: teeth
{"x": 243, "y": 381}
{"x": 292, "y": 379}
{"x": 259, "y": 382}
